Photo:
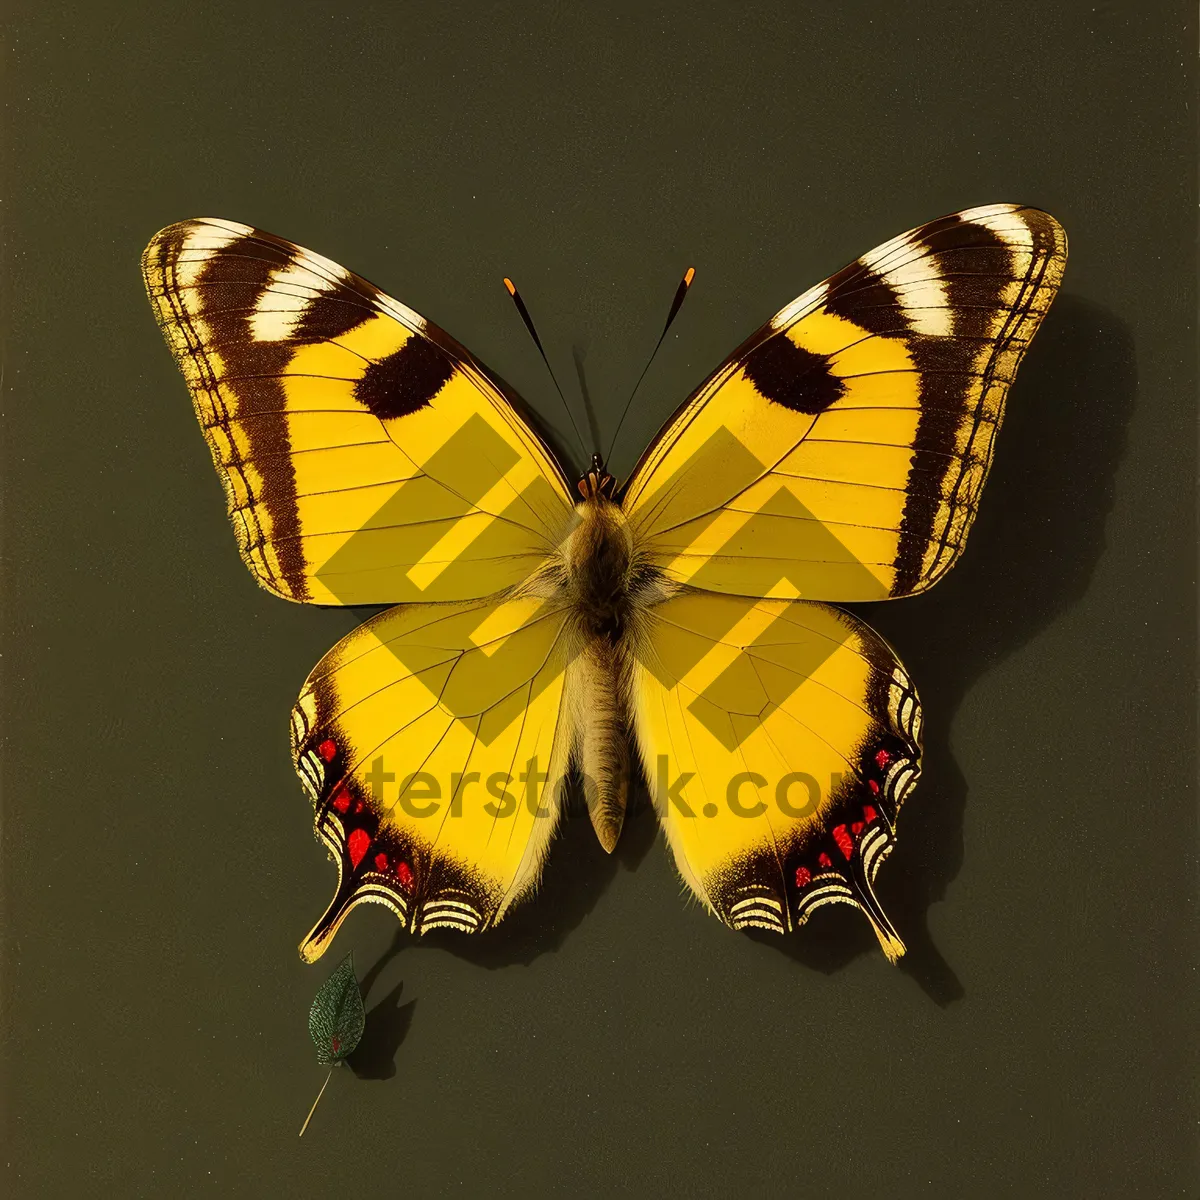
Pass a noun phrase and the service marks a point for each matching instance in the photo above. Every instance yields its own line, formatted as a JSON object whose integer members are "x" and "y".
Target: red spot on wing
{"x": 336, "y": 1043}
{"x": 883, "y": 758}
{"x": 404, "y": 874}
{"x": 824, "y": 859}
{"x": 328, "y": 750}
{"x": 869, "y": 813}
{"x": 857, "y": 828}
{"x": 803, "y": 877}
{"x": 873, "y": 786}
{"x": 845, "y": 843}
{"x": 357, "y": 846}
{"x": 381, "y": 862}
{"x": 341, "y": 800}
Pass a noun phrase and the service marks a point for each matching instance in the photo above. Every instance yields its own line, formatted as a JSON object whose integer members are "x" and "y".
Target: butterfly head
{"x": 596, "y": 482}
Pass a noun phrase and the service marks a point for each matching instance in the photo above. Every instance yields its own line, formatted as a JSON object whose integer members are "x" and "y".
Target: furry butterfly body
{"x": 541, "y": 631}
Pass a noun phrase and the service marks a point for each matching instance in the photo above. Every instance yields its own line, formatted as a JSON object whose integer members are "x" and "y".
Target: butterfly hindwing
{"x": 366, "y": 457}
{"x": 431, "y": 744}
{"x": 779, "y": 739}
{"x": 840, "y": 453}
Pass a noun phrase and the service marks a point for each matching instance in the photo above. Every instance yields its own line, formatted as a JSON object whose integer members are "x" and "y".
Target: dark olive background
{"x": 159, "y": 862}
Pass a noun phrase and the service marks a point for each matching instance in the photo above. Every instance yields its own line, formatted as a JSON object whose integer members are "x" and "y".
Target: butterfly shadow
{"x": 387, "y": 1023}
{"x": 576, "y": 873}
{"x": 1034, "y": 546}
{"x": 1031, "y": 555}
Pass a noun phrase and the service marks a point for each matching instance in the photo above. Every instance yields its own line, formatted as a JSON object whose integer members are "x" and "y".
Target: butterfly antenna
{"x": 537, "y": 341}
{"x": 680, "y": 292}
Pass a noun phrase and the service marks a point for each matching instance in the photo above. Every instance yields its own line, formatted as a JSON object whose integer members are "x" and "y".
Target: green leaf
{"x": 337, "y": 1017}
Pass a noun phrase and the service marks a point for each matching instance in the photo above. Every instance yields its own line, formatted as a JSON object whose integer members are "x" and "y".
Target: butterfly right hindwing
{"x": 780, "y": 739}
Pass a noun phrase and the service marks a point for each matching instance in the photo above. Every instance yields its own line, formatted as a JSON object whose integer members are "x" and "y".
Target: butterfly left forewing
{"x": 840, "y": 453}
{"x": 366, "y": 457}
{"x": 779, "y": 739}
{"x": 432, "y": 743}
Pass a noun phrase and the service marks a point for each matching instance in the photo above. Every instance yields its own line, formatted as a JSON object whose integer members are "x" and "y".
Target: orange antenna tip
{"x": 508, "y": 283}
{"x": 680, "y": 292}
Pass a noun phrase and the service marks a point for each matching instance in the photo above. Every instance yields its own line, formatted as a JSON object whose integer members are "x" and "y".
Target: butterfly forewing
{"x": 367, "y": 458}
{"x": 840, "y": 453}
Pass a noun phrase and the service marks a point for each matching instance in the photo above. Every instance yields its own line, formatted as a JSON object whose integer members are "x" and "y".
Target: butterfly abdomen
{"x": 599, "y": 688}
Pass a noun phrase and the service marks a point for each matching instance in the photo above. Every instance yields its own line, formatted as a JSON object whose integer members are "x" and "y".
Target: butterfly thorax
{"x": 599, "y": 555}
{"x": 603, "y": 575}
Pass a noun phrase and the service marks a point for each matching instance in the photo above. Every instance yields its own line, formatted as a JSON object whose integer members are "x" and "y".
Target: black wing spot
{"x": 792, "y": 376}
{"x": 405, "y": 381}
{"x": 870, "y": 302}
{"x": 329, "y": 317}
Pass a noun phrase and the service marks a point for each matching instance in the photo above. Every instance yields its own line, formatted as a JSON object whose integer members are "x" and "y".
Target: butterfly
{"x": 548, "y": 628}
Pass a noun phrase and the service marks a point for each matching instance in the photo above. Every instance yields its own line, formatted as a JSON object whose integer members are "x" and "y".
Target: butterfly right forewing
{"x": 840, "y": 453}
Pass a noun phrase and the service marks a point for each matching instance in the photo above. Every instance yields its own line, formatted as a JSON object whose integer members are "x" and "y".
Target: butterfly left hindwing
{"x": 432, "y": 743}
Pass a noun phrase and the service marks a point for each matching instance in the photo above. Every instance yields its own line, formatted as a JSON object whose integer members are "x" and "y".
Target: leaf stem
{"x": 316, "y": 1102}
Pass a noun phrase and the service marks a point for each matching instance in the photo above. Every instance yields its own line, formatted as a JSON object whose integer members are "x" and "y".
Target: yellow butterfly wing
{"x": 432, "y": 743}
{"x": 780, "y": 739}
{"x": 366, "y": 457}
{"x": 839, "y": 454}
